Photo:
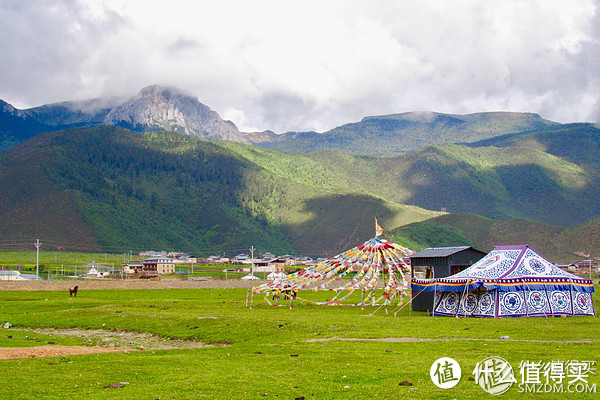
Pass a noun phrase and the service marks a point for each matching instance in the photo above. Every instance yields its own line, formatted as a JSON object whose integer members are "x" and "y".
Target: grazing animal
{"x": 73, "y": 291}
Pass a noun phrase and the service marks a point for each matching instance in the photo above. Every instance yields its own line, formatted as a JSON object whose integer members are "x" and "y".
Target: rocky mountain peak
{"x": 8, "y": 108}
{"x": 161, "y": 91}
{"x": 159, "y": 107}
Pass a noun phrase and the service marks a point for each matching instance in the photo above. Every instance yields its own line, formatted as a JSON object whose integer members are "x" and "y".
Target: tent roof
{"x": 249, "y": 277}
{"x": 9, "y": 272}
{"x": 512, "y": 262}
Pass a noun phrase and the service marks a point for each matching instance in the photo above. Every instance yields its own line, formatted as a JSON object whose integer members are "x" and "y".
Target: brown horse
{"x": 73, "y": 291}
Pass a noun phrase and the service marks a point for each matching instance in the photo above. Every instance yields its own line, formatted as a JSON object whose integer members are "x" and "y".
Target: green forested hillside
{"x": 496, "y": 182}
{"x": 115, "y": 190}
{"x": 402, "y": 133}
{"x": 578, "y": 143}
{"x": 485, "y": 234}
{"x": 108, "y": 188}
{"x": 16, "y": 127}
{"x": 583, "y": 239}
{"x": 560, "y": 245}
{"x": 133, "y": 190}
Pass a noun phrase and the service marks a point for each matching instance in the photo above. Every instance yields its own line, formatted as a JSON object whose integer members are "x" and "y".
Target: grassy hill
{"x": 585, "y": 239}
{"x": 518, "y": 181}
{"x": 485, "y": 234}
{"x": 107, "y": 188}
{"x": 402, "y": 133}
{"x": 110, "y": 189}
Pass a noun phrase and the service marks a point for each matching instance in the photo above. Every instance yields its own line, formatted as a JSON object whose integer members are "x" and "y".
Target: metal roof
{"x": 9, "y": 272}
{"x": 31, "y": 276}
{"x": 150, "y": 259}
{"x": 439, "y": 251}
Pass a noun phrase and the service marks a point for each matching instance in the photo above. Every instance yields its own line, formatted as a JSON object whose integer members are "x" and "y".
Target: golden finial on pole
{"x": 378, "y": 229}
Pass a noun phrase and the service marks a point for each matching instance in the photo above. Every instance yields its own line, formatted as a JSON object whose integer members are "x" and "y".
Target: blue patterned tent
{"x": 510, "y": 281}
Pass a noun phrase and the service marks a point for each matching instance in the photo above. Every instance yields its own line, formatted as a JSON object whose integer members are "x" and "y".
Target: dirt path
{"x": 97, "y": 284}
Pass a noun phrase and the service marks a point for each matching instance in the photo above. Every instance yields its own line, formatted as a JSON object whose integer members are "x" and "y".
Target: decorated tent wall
{"x": 510, "y": 281}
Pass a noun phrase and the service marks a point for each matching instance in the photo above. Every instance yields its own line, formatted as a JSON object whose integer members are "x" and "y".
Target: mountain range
{"x": 139, "y": 173}
{"x": 155, "y": 108}
{"x": 160, "y": 108}
{"x": 406, "y": 132}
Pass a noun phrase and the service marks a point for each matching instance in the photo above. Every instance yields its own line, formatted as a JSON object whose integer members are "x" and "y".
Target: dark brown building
{"x": 439, "y": 262}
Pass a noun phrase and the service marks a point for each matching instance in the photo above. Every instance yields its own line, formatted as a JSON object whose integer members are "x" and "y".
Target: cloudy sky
{"x": 310, "y": 65}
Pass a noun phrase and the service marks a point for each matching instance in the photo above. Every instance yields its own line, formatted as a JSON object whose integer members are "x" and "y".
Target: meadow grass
{"x": 266, "y": 351}
{"x": 56, "y": 265}
{"x": 27, "y": 258}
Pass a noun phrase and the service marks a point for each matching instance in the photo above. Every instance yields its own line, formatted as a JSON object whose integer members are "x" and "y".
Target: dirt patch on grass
{"x": 7, "y": 353}
{"x": 98, "y": 341}
{"x": 122, "y": 339}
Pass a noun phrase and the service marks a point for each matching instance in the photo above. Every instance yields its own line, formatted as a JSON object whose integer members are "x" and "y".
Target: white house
{"x": 158, "y": 266}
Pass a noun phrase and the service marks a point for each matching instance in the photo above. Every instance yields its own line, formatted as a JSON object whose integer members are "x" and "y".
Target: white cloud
{"x": 301, "y": 65}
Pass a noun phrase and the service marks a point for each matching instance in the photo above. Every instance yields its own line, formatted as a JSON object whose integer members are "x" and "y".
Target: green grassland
{"x": 64, "y": 264}
{"x": 27, "y": 258}
{"x": 266, "y": 352}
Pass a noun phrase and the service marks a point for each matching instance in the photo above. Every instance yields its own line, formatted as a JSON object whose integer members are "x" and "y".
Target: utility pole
{"x": 252, "y": 255}
{"x": 37, "y": 257}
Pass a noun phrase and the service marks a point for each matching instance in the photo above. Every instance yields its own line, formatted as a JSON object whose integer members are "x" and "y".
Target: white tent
{"x": 249, "y": 277}
{"x": 275, "y": 275}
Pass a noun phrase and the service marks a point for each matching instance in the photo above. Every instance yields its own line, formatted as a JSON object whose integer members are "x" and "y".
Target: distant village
{"x": 154, "y": 263}
{"x": 157, "y": 264}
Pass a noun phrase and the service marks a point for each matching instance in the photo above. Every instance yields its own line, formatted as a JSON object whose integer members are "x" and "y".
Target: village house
{"x": 157, "y": 266}
{"x": 182, "y": 258}
{"x": 132, "y": 268}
